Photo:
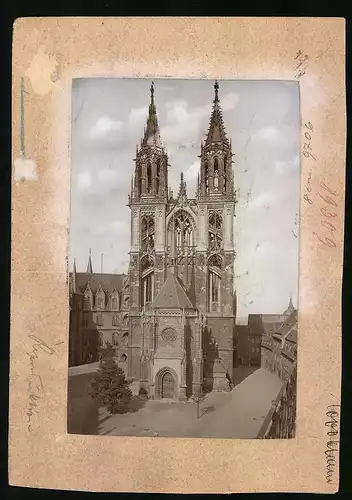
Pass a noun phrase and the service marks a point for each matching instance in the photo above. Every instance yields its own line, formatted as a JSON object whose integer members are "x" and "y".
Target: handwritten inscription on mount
{"x": 332, "y": 445}
{"x": 35, "y": 381}
{"x": 325, "y": 236}
{"x": 301, "y": 59}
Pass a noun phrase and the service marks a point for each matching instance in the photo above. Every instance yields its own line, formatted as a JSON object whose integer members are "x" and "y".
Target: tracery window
{"x": 182, "y": 226}
{"x": 206, "y": 176}
{"x": 216, "y": 174}
{"x": 147, "y": 272}
{"x": 224, "y": 181}
{"x": 148, "y": 233}
{"x": 158, "y": 177}
{"x": 214, "y": 282}
{"x": 215, "y": 230}
{"x": 149, "y": 177}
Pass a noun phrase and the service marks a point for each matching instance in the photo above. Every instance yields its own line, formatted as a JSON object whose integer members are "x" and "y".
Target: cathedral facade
{"x": 181, "y": 298}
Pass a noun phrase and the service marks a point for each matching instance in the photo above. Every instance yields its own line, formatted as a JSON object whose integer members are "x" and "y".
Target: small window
{"x": 114, "y": 303}
{"x": 100, "y": 320}
{"x": 124, "y": 339}
{"x": 123, "y": 358}
{"x": 114, "y": 320}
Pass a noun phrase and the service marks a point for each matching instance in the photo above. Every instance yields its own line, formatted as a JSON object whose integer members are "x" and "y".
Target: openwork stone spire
{"x": 89, "y": 265}
{"x": 216, "y": 132}
{"x": 152, "y": 132}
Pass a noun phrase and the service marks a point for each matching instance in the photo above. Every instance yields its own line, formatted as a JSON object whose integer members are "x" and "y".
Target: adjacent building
{"x": 249, "y": 341}
{"x": 279, "y": 349}
{"x": 98, "y": 315}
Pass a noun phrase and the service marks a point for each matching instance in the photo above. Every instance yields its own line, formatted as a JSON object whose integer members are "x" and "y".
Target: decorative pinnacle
{"x": 152, "y": 93}
{"x": 216, "y": 88}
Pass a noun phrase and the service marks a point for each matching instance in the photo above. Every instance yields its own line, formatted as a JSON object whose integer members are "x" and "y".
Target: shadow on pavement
{"x": 242, "y": 372}
{"x": 208, "y": 409}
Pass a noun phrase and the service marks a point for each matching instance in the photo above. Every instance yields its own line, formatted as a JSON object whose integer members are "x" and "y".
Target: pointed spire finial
{"x": 290, "y": 305}
{"x": 216, "y": 88}
{"x": 89, "y": 265}
{"x": 183, "y": 187}
{"x": 152, "y": 93}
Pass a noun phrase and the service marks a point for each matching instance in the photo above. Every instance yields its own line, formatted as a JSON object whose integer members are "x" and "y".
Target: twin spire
{"x": 216, "y": 131}
{"x": 152, "y": 132}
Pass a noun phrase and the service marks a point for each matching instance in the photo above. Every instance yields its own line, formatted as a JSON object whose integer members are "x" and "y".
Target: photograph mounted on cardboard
{"x": 184, "y": 251}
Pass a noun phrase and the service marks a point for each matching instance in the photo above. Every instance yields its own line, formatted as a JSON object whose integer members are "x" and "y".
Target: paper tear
{"x": 42, "y": 72}
{"x": 25, "y": 170}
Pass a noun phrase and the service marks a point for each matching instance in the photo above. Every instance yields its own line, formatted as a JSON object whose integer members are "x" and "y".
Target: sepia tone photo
{"x": 184, "y": 258}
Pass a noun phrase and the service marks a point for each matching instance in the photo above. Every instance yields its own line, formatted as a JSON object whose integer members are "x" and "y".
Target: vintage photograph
{"x": 183, "y": 258}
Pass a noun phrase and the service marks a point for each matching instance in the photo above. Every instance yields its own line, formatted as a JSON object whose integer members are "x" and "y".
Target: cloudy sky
{"x": 262, "y": 119}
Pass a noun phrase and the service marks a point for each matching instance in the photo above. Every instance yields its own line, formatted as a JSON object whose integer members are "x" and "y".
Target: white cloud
{"x": 270, "y": 134}
{"x": 84, "y": 180}
{"x": 107, "y": 175}
{"x": 229, "y": 102}
{"x": 282, "y": 167}
{"x": 184, "y": 123}
{"x": 193, "y": 171}
{"x": 138, "y": 116}
{"x": 104, "y": 126}
{"x": 263, "y": 200}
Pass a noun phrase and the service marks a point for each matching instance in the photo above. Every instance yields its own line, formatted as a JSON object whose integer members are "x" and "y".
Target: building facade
{"x": 98, "y": 315}
{"x": 249, "y": 341}
{"x": 172, "y": 318}
{"x": 279, "y": 349}
{"x": 181, "y": 279}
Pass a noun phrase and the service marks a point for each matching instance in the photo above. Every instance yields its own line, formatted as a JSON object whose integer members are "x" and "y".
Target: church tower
{"x": 147, "y": 201}
{"x": 215, "y": 249}
{"x": 181, "y": 297}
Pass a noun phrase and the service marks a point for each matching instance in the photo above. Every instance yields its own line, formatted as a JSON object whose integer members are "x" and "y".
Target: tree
{"x": 109, "y": 386}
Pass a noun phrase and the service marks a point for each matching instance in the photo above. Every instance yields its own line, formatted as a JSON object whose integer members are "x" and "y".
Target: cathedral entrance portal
{"x": 167, "y": 386}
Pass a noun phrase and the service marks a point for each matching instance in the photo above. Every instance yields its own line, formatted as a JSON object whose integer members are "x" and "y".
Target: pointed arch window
{"x": 114, "y": 302}
{"x": 147, "y": 281}
{"x": 149, "y": 177}
{"x": 158, "y": 170}
{"x": 183, "y": 227}
{"x": 215, "y": 230}
{"x": 214, "y": 282}
{"x": 124, "y": 339}
{"x": 225, "y": 174}
{"x": 216, "y": 174}
{"x": 115, "y": 339}
{"x": 140, "y": 185}
{"x": 88, "y": 300}
{"x": 206, "y": 176}
{"x": 148, "y": 232}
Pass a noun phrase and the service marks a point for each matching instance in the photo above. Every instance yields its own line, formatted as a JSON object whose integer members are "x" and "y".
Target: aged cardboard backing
{"x": 48, "y": 53}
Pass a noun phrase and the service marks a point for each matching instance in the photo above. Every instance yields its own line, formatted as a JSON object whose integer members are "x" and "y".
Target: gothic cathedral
{"x": 182, "y": 303}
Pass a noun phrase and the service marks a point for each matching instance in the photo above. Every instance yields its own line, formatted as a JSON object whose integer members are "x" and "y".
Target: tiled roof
{"x": 172, "y": 295}
{"x": 292, "y": 336}
{"x": 107, "y": 282}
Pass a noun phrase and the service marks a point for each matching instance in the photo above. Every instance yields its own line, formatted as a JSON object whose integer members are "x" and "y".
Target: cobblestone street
{"x": 236, "y": 414}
